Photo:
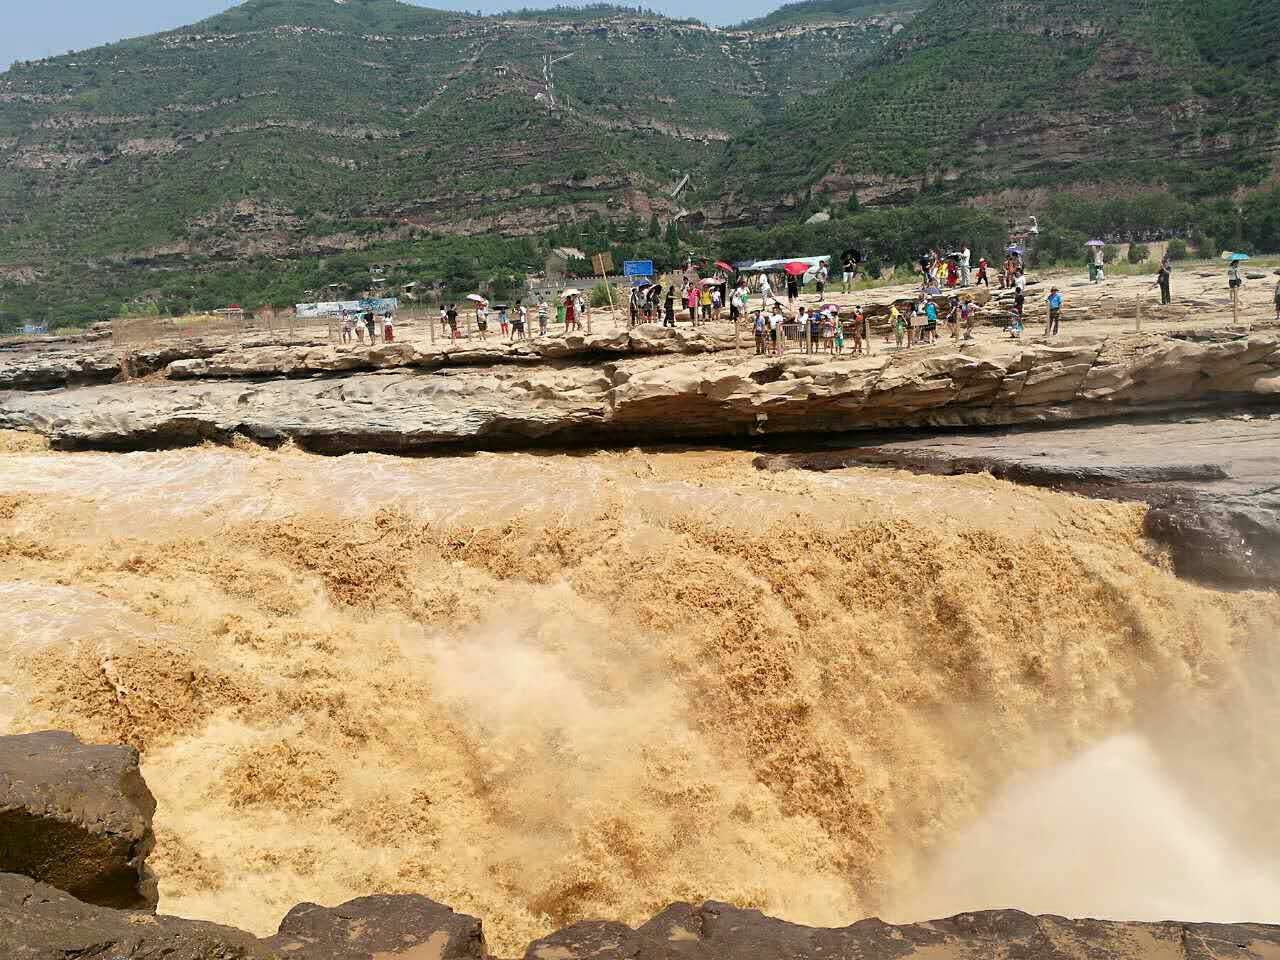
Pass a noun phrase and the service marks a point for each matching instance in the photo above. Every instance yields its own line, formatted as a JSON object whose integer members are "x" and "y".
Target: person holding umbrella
{"x": 793, "y": 289}
{"x": 821, "y": 279}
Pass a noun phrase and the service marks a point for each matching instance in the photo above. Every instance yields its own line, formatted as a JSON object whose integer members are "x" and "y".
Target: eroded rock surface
{"x": 223, "y": 358}
{"x": 718, "y": 931}
{"x": 78, "y": 817}
{"x": 379, "y": 928}
{"x": 39, "y": 922}
{"x": 672, "y": 397}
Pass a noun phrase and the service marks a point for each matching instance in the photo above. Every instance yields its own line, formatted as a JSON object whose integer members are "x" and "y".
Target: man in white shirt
{"x": 965, "y": 256}
{"x": 766, "y": 291}
{"x": 775, "y": 332}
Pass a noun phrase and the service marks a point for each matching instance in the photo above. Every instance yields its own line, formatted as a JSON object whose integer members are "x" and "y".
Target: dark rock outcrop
{"x": 379, "y": 928}
{"x": 717, "y": 931}
{"x": 78, "y": 817}
{"x": 38, "y": 922}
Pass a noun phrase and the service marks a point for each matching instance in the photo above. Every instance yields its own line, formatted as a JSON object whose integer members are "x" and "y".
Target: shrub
{"x": 1110, "y": 253}
{"x": 1139, "y": 253}
{"x": 600, "y": 295}
{"x": 1177, "y": 249}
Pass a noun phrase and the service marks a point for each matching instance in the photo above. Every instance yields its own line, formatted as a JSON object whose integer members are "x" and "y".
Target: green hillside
{"x": 291, "y": 128}
{"x": 822, "y": 11}
{"x": 257, "y": 153}
{"x": 977, "y": 96}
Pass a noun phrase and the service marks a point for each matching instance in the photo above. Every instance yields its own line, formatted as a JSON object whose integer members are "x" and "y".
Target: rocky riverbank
{"x": 647, "y": 386}
{"x": 49, "y": 781}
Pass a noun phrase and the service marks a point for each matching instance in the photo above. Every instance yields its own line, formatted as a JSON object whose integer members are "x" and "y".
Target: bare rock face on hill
{"x": 379, "y": 928}
{"x": 38, "y": 922}
{"x": 718, "y": 931}
{"x": 78, "y": 817}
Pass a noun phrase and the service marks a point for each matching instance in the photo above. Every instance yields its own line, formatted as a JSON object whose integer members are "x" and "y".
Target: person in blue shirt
{"x": 931, "y": 328}
{"x": 1055, "y": 310}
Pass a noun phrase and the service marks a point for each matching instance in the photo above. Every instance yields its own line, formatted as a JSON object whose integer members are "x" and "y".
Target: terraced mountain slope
{"x": 286, "y": 128}
{"x": 980, "y": 96}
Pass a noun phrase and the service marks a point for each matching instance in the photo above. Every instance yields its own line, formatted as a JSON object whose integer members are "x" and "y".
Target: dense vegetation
{"x": 286, "y": 145}
{"x": 982, "y": 95}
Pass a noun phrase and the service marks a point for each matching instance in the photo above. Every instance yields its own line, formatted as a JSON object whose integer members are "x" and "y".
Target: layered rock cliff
{"x": 611, "y": 389}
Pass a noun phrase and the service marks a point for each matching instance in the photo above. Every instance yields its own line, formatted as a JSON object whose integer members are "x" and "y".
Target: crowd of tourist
{"x": 354, "y": 327}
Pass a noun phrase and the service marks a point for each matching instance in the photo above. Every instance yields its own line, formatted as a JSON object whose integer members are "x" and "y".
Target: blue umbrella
{"x": 1017, "y": 250}
{"x": 1239, "y": 257}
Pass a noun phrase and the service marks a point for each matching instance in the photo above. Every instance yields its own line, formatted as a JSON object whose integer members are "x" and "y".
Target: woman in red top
{"x": 569, "y": 320}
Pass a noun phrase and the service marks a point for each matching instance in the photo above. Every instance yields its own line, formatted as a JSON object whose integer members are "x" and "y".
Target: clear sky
{"x": 31, "y": 30}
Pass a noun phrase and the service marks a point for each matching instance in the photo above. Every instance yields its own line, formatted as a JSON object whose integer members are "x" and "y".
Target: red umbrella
{"x": 796, "y": 269}
{"x": 724, "y": 266}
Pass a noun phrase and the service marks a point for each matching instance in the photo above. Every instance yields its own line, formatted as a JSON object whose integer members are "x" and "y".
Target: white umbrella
{"x": 476, "y": 298}
{"x": 571, "y": 292}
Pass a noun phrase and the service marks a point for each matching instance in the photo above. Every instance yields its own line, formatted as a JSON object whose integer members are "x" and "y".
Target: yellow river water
{"x": 541, "y": 688}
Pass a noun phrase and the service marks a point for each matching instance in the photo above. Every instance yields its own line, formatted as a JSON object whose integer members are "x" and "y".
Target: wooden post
{"x": 737, "y": 340}
{"x": 1235, "y": 306}
{"x": 866, "y": 330}
{"x": 1137, "y": 313}
{"x": 431, "y": 326}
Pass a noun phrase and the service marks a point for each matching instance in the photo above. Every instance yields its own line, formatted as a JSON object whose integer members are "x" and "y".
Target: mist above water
{"x": 1108, "y": 834}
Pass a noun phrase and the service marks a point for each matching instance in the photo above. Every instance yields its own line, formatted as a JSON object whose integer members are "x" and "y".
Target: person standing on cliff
{"x": 743, "y": 294}
{"x": 793, "y": 291}
{"x": 966, "y": 258}
{"x": 1055, "y": 312}
{"x": 1163, "y": 277}
{"x": 543, "y": 316}
{"x": 821, "y": 279}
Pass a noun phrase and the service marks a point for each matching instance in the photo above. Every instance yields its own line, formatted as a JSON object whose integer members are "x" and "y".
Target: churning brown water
{"x": 542, "y": 688}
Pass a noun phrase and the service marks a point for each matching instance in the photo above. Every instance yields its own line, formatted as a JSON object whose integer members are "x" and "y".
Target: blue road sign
{"x": 637, "y": 268}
